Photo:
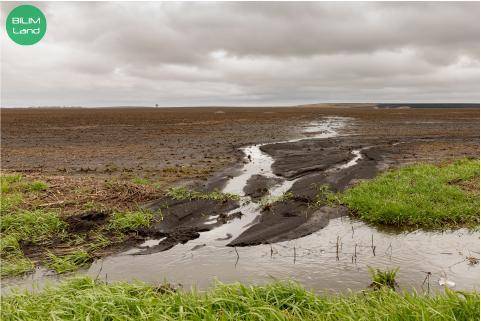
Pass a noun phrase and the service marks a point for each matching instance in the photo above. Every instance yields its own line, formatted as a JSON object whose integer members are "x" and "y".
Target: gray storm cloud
{"x": 245, "y": 53}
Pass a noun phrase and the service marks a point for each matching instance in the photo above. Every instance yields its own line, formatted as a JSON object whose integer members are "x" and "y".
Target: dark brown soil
{"x": 285, "y": 221}
{"x": 171, "y": 143}
{"x": 183, "y": 220}
{"x": 87, "y": 221}
{"x": 258, "y": 186}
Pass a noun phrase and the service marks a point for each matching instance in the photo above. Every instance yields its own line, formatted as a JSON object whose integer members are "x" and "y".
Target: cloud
{"x": 245, "y": 53}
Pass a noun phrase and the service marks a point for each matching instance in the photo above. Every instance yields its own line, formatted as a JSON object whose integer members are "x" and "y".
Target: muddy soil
{"x": 146, "y": 142}
{"x": 157, "y": 142}
{"x": 258, "y": 186}
{"x": 183, "y": 220}
{"x": 297, "y": 159}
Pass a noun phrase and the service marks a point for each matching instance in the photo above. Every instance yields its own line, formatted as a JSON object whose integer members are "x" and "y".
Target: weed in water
{"x": 69, "y": 262}
{"x": 383, "y": 278}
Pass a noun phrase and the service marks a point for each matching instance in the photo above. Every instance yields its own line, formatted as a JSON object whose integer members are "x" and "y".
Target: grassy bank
{"x": 84, "y": 299}
{"x": 420, "y": 196}
{"x": 42, "y": 223}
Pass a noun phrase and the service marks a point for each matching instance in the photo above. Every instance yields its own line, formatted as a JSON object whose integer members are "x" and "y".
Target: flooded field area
{"x": 322, "y": 248}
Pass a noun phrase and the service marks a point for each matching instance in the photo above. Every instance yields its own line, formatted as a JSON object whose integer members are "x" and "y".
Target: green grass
{"x": 69, "y": 262}
{"x": 182, "y": 193}
{"x": 267, "y": 201}
{"x": 130, "y": 220}
{"x": 16, "y": 183}
{"x": 13, "y": 260}
{"x": 9, "y": 202}
{"x": 420, "y": 196}
{"x": 16, "y": 265}
{"x": 324, "y": 197}
{"x": 141, "y": 181}
{"x": 38, "y": 186}
{"x": 7, "y": 181}
{"x": 33, "y": 227}
{"x": 85, "y": 299}
{"x": 383, "y": 278}
{"x": 22, "y": 225}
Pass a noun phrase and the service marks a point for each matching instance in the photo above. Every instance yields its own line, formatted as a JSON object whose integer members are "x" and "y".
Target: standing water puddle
{"x": 334, "y": 258}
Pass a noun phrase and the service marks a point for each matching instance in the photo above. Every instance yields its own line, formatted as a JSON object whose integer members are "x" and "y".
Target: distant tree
{"x": 156, "y": 105}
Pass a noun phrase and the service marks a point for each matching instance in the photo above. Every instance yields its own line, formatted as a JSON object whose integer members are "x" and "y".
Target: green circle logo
{"x": 26, "y": 25}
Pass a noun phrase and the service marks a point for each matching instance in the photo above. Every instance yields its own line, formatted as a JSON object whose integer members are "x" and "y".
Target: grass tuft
{"x": 69, "y": 262}
{"x": 6, "y": 181}
{"x": 325, "y": 196}
{"x": 38, "y": 186}
{"x": 9, "y": 202}
{"x": 17, "y": 265}
{"x": 383, "y": 278}
{"x": 267, "y": 201}
{"x": 13, "y": 260}
{"x": 130, "y": 220}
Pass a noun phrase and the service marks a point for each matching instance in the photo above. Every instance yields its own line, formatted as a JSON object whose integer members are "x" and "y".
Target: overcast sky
{"x": 245, "y": 54}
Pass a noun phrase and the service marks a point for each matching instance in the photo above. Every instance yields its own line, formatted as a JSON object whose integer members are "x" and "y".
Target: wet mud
{"x": 258, "y": 186}
{"x": 183, "y": 220}
{"x": 296, "y": 159}
{"x": 87, "y": 221}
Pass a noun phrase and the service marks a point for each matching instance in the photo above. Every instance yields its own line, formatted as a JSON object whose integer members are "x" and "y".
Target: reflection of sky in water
{"x": 315, "y": 266}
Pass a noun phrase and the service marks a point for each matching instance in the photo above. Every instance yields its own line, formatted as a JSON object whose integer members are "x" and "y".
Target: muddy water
{"x": 315, "y": 262}
{"x": 335, "y": 258}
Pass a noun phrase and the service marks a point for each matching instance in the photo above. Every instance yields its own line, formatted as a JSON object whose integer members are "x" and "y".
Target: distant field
{"x": 428, "y": 105}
